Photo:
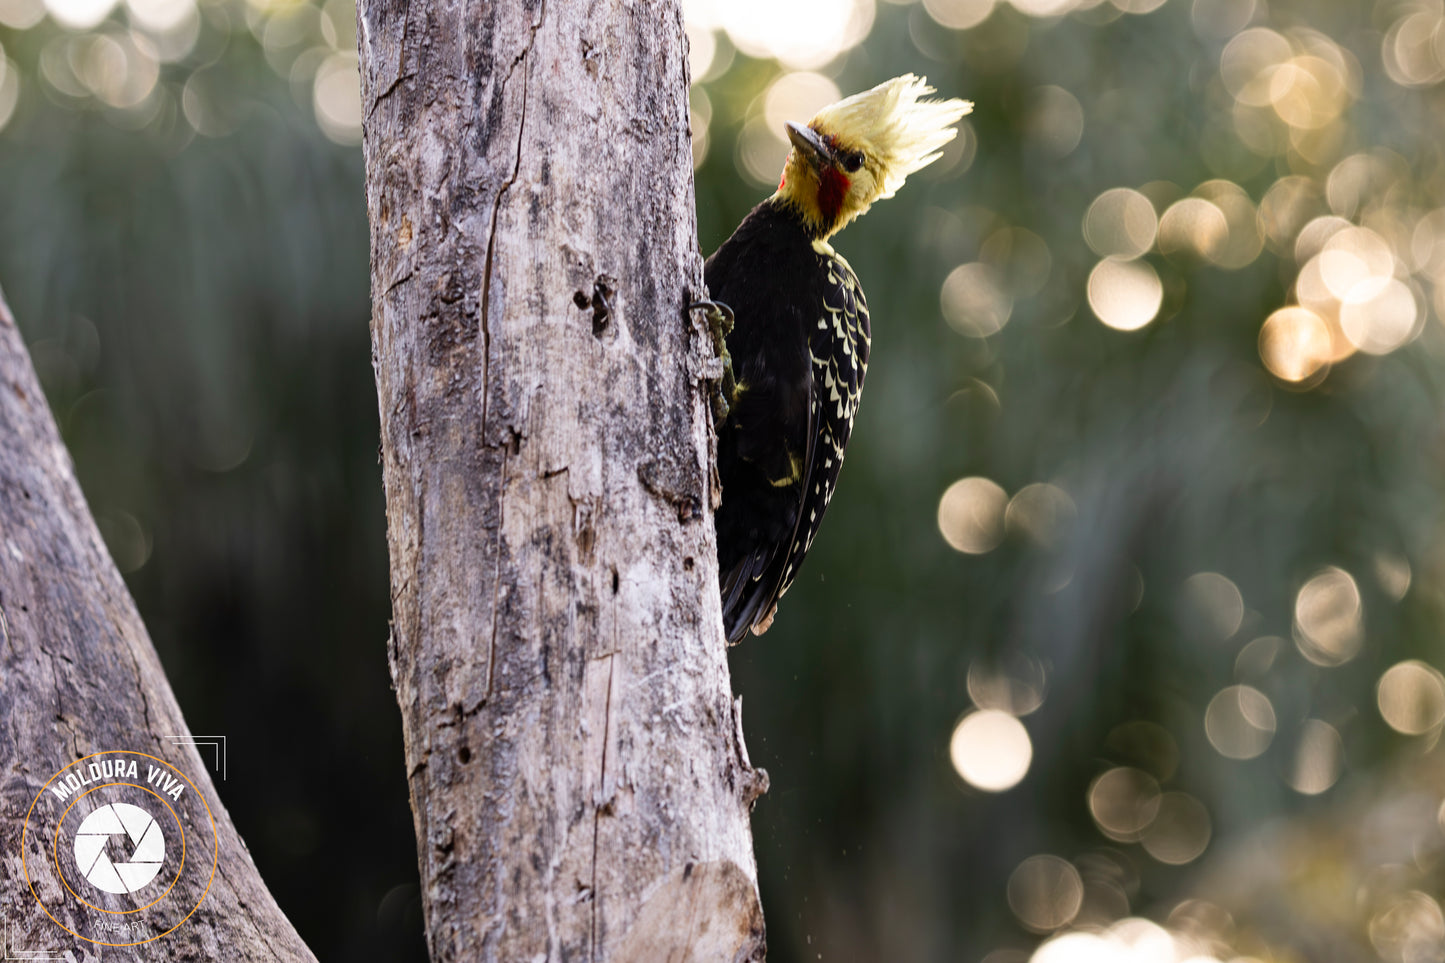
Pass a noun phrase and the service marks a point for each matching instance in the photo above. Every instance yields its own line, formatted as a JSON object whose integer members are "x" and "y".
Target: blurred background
{"x": 1122, "y": 641}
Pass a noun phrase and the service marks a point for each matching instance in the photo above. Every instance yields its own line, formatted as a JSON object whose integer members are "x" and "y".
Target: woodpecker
{"x": 796, "y": 334}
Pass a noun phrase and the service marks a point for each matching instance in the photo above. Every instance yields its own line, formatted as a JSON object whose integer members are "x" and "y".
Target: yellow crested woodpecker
{"x": 797, "y": 334}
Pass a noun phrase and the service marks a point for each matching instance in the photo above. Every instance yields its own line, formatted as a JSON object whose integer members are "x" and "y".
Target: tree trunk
{"x": 82, "y": 682}
{"x": 577, "y": 772}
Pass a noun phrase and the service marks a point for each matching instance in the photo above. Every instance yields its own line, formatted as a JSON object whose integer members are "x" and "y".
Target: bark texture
{"x": 81, "y": 677}
{"x": 578, "y": 778}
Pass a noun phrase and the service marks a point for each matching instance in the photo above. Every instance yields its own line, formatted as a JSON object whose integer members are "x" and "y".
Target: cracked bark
{"x": 578, "y": 780}
{"x": 80, "y": 676}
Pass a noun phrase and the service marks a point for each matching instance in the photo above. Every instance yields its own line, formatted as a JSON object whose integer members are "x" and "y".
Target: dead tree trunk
{"x": 577, "y": 773}
{"x": 83, "y": 694}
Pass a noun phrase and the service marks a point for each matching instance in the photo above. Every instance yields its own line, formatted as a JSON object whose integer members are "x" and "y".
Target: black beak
{"x": 810, "y": 145}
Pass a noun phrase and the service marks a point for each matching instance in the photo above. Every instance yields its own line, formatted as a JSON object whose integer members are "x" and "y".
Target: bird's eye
{"x": 852, "y": 161}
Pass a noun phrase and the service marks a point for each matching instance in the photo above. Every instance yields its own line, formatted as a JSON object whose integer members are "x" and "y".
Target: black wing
{"x": 751, "y": 588}
{"x": 838, "y": 343}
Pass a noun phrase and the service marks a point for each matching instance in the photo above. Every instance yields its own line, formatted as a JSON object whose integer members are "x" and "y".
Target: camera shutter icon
{"x": 147, "y": 848}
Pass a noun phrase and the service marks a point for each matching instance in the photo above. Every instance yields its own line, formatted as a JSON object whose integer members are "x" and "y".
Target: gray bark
{"x": 577, "y": 772}
{"x": 80, "y": 677}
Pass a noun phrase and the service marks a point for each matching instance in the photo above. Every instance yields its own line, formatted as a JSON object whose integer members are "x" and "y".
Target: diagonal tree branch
{"x": 81, "y": 679}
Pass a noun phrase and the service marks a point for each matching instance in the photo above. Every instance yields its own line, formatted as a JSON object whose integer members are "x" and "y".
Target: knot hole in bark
{"x": 604, "y": 289}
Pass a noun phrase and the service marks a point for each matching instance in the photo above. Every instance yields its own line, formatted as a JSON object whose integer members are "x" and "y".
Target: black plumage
{"x": 799, "y": 349}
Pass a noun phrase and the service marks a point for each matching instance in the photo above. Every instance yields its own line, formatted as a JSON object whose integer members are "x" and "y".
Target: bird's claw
{"x": 720, "y": 324}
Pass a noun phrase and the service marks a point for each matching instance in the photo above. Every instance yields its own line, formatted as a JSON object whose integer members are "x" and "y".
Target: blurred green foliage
{"x": 1101, "y": 483}
{"x": 196, "y": 307}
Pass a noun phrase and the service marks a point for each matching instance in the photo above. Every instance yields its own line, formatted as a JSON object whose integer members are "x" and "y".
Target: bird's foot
{"x": 719, "y": 325}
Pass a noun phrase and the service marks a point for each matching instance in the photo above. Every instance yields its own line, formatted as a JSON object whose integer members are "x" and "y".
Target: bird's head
{"x": 861, "y": 149}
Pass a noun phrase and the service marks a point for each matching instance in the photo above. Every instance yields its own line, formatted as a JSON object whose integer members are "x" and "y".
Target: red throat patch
{"x": 832, "y": 188}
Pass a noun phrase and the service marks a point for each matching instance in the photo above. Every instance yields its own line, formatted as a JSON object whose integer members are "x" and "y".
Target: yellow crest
{"x": 892, "y": 122}
{"x": 863, "y": 148}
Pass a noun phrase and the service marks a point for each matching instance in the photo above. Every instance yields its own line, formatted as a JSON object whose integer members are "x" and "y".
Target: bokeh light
{"x": 1257, "y": 658}
{"x": 1307, "y": 91}
{"x": 1042, "y": 513}
{"x": 1143, "y": 939}
{"x": 338, "y": 98}
{"x": 1239, "y": 722}
{"x": 1295, "y": 344}
{"x": 1411, "y": 697}
{"x": 1016, "y": 686}
{"x": 1329, "y": 618}
{"x": 761, "y": 151}
{"x": 1355, "y": 182}
{"x": 805, "y": 35}
{"x": 1044, "y": 8}
{"x": 1045, "y": 892}
{"x": 1202, "y": 928}
{"x": 1193, "y": 228}
{"x": 1379, "y": 319}
{"x": 1318, "y": 758}
{"x": 701, "y": 49}
{"x": 1216, "y": 603}
{"x": 79, "y": 14}
{"x": 21, "y": 14}
{"x": 1289, "y": 204}
{"x": 1121, "y": 224}
{"x": 1020, "y": 259}
{"x": 118, "y": 69}
{"x": 796, "y": 97}
{"x": 1180, "y": 830}
{"x": 1107, "y": 874}
{"x": 129, "y": 542}
{"x": 1290, "y": 89}
{"x": 1411, "y": 47}
{"x": 1392, "y": 572}
{"x": 1078, "y": 947}
{"x": 1352, "y": 258}
{"x": 1055, "y": 122}
{"x": 1409, "y": 929}
{"x": 160, "y": 16}
{"x": 1125, "y": 295}
{"x": 1124, "y": 801}
{"x": 959, "y": 14}
{"x": 971, "y": 515}
{"x": 990, "y": 750}
{"x": 1311, "y": 238}
{"x": 1242, "y": 240}
{"x": 1427, "y": 244}
{"x": 1137, "y": 6}
{"x": 975, "y": 300}
{"x": 1128, "y": 940}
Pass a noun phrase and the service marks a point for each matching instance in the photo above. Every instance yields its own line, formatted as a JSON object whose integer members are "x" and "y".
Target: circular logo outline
{"x": 56, "y": 849}
{"x": 215, "y": 850}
